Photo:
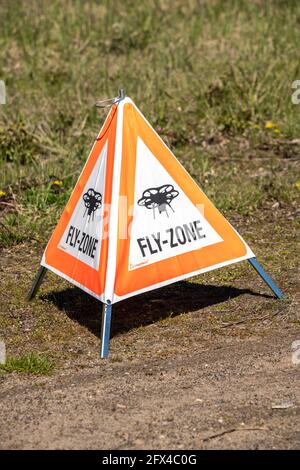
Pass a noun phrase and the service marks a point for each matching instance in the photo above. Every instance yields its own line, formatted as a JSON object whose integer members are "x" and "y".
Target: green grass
{"x": 208, "y": 77}
{"x": 28, "y": 364}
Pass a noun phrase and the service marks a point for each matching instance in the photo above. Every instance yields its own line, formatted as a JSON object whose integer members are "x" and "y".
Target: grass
{"x": 208, "y": 78}
{"x": 32, "y": 363}
{"x": 216, "y": 83}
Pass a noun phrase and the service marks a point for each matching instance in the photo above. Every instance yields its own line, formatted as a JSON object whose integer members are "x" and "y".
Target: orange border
{"x": 59, "y": 259}
{"x": 134, "y": 126}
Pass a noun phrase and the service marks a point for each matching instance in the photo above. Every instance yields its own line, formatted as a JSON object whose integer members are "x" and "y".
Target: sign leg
{"x": 105, "y": 330}
{"x": 37, "y": 282}
{"x": 266, "y": 277}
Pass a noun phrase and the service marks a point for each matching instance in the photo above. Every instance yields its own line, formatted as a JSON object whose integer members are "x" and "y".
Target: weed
{"x": 33, "y": 363}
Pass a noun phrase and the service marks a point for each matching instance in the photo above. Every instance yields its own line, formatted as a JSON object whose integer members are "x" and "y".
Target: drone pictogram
{"x": 92, "y": 201}
{"x": 160, "y": 198}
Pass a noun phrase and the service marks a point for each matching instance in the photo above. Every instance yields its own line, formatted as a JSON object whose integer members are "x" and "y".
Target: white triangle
{"x": 166, "y": 223}
{"x": 82, "y": 236}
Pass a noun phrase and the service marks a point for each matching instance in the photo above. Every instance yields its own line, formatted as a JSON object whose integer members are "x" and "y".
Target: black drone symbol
{"x": 160, "y": 197}
{"x": 92, "y": 202}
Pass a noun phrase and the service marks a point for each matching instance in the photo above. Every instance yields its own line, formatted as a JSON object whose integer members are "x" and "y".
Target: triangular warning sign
{"x": 174, "y": 231}
{"x": 136, "y": 220}
{"x": 165, "y": 221}
{"x": 81, "y": 236}
{"x": 78, "y": 247}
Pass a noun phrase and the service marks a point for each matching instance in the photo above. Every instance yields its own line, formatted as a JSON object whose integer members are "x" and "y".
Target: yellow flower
{"x": 58, "y": 182}
{"x": 297, "y": 185}
{"x": 276, "y": 130}
{"x": 2, "y": 193}
{"x": 269, "y": 125}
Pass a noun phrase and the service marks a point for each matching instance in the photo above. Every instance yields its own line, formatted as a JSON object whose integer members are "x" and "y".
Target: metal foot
{"x": 266, "y": 277}
{"x": 105, "y": 330}
{"x": 37, "y": 282}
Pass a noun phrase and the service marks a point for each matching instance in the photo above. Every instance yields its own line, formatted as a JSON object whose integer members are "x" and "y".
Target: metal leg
{"x": 105, "y": 330}
{"x": 37, "y": 282}
{"x": 266, "y": 277}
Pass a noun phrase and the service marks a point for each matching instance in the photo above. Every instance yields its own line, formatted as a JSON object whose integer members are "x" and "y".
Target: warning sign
{"x": 81, "y": 237}
{"x": 165, "y": 222}
{"x": 78, "y": 248}
{"x": 172, "y": 230}
{"x": 136, "y": 220}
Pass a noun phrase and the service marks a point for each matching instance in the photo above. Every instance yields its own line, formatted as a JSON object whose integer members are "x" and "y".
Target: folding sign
{"x": 136, "y": 220}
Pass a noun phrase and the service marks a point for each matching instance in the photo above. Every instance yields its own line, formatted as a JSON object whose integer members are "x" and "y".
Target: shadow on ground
{"x": 143, "y": 309}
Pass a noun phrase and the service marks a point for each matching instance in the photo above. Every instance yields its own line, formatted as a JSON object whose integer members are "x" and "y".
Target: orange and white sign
{"x": 136, "y": 220}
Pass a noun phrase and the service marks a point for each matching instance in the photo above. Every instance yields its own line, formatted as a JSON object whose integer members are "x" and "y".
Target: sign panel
{"x": 81, "y": 237}
{"x": 174, "y": 230}
{"x": 78, "y": 247}
{"x": 165, "y": 222}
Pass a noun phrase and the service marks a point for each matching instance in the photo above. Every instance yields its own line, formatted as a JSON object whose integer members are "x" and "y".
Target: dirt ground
{"x": 203, "y": 364}
{"x": 217, "y": 397}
